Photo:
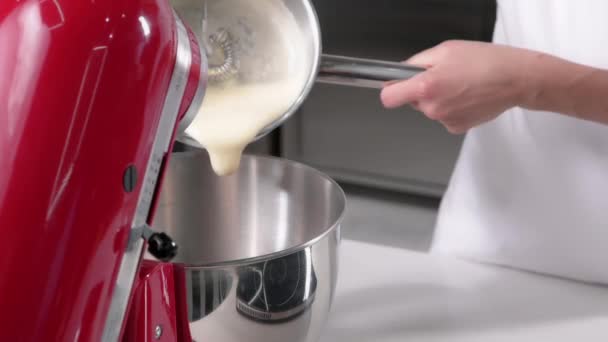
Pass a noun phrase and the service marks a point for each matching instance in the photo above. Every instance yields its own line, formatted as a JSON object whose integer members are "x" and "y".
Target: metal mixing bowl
{"x": 258, "y": 249}
{"x": 305, "y": 17}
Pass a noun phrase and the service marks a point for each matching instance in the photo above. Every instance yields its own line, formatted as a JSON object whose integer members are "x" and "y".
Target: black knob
{"x": 162, "y": 247}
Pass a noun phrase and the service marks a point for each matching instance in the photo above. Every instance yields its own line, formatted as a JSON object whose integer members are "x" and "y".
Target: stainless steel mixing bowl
{"x": 258, "y": 249}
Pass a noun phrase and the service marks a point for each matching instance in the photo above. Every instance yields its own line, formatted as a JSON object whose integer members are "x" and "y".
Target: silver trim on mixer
{"x": 197, "y": 101}
{"x": 130, "y": 262}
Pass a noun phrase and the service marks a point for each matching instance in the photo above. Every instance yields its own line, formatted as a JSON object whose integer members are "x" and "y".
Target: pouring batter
{"x": 255, "y": 75}
{"x": 232, "y": 117}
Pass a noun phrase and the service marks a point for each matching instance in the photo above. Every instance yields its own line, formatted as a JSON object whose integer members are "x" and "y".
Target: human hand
{"x": 466, "y": 83}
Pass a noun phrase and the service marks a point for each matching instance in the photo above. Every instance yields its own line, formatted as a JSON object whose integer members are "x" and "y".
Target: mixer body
{"x": 91, "y": 95}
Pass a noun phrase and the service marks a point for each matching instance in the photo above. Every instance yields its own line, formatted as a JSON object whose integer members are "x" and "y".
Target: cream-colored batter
{"x": 272, "y": 73}
{"x": 231, "y": 118}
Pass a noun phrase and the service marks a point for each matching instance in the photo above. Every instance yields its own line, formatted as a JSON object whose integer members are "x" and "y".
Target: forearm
{"x": 553, "y": 84}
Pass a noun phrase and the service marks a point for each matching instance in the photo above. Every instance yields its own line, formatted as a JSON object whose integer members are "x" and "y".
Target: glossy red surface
{"x": 82, "y": 86}
{"x": 153, "y": 305}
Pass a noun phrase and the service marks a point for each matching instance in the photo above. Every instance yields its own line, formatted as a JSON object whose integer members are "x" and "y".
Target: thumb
{"x": 425, "y": 59}
{"x": 401, "y": 93}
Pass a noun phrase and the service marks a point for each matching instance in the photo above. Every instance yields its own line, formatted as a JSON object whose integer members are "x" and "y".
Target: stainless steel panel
{"x": 346, "y": 133}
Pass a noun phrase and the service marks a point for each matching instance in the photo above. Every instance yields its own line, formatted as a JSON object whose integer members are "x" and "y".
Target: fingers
{"x": 407, "y": 92}
{"x": 400, "y": 93}
{"x": 463, "y": 122}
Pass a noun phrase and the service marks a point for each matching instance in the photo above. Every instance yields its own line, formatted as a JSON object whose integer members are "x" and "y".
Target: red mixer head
{"x": 91, "y": 96}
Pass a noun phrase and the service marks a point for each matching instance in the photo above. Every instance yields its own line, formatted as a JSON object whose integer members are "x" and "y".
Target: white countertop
{"x": 386, "y": 294}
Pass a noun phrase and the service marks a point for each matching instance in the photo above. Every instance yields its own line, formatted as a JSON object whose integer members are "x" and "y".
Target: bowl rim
{"x": 288, "y": 251}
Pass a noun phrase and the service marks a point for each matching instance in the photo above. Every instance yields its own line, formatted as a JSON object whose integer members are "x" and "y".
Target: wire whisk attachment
{"x": 224, "y": 63}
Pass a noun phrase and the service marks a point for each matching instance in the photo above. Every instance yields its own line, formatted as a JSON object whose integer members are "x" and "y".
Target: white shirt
{"x": 530, "y": 189}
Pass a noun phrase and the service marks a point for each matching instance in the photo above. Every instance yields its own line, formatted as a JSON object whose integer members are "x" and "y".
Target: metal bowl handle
{"x": 359, "y": 72}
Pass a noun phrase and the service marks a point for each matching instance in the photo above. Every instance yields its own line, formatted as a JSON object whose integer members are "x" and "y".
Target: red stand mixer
{"x": 91, "y": 95}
